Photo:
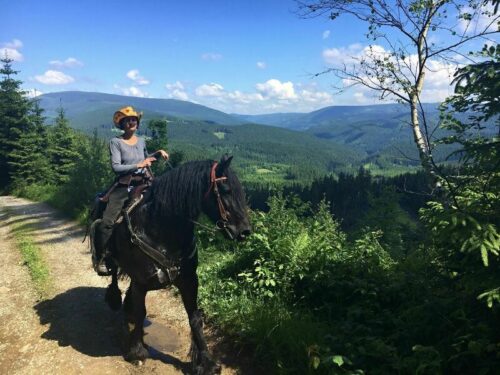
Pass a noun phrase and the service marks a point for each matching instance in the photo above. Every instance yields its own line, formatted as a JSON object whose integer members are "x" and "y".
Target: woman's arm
{"x": 161, "y": 153}
{"x": 157, "y": 154}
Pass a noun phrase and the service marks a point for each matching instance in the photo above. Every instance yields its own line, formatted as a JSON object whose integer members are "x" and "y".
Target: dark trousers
{"x": 116, "y": 201}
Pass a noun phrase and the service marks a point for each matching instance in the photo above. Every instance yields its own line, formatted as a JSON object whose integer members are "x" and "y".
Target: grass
{"x": 33, "y": 260}
{"x": 220, "y": 135}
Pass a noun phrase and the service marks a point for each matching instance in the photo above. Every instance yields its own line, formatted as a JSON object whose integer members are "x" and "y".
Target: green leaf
{"x": 484, "y": 255}
{"x": 338, "y": 360}
{"x": 315, "y": 361}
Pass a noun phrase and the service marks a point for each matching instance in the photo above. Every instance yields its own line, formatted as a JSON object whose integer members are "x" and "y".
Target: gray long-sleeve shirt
{"x": 124, "y": 157}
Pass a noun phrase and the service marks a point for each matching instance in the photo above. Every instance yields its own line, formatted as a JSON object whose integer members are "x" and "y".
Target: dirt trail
{"x": 73, "y": 331}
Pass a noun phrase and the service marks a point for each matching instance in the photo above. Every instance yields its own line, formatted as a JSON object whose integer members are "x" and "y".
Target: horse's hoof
{"x": 137, "y": 354}
{"x": 207, "y": 367}
{"x": 214, "y": 370}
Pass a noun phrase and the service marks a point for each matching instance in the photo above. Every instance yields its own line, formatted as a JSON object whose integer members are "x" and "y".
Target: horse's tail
{"x": 113, "y": 295}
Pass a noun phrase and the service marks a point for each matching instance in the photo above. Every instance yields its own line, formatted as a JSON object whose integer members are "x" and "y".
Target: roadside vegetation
{"x": 32, "y": 259}
{"x": 344, "y": 274}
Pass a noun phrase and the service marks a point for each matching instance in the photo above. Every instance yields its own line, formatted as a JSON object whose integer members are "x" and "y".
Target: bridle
{"x": 224, "y": 214}
{"x": 172, "y": 268}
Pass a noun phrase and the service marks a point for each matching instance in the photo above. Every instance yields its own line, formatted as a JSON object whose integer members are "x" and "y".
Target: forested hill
{"x": 91, "y": 109}
{"x": 380, "y": 114}
{"x": 378, "y": 130}
{"x": 374, "y": 131}
{"x": 261, "y": 152}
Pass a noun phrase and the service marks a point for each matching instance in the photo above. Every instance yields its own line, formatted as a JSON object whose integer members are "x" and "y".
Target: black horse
{"x": 164, "y": 222}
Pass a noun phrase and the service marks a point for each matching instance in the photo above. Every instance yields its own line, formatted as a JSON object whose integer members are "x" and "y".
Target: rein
{"x": 224, "y": 214}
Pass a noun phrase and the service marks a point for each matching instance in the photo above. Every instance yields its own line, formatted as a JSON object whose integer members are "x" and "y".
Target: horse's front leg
{"x": 135, "y": 312}
{"x": 202, "y": 361}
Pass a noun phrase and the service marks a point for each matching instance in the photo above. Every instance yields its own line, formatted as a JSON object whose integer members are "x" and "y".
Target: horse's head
{"x": 225, "y": 203}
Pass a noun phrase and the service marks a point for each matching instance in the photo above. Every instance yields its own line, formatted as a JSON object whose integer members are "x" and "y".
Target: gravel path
{"x": 72, "y": 331}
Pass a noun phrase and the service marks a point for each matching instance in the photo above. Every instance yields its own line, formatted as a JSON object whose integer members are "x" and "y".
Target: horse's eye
{"x": 224, "y": 188}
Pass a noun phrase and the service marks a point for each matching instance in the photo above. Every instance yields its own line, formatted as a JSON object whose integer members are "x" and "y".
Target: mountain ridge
{"x": 74, "y": 102}
{"x": 369, "y": 132}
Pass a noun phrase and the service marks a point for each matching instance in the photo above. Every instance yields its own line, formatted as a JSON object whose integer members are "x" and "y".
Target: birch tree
{"x": 408, "y": 37}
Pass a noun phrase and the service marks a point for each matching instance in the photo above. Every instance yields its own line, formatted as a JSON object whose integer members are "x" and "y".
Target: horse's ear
{"x": 224, "y": 163}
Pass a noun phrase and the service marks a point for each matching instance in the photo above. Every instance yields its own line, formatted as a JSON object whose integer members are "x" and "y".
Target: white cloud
{"x": 244, "y": 98}
{"x": 15, "y": 44}
{"x": 211, "y": 89}
{"x": 360, "y": 98}
{"x": 435, "y": 95}
{"x": 179, "y": 94}
{"x": 342, "y": 55}
{"x": 54, "y": 77}
{"x": 177, "y": 91}
{"x": 270, "y": 96}
{"x": 175, "y": 86}
{"x": 480, "y": 21}
{"x": 211, "y": 56}
{"x": 135, "y": 91}
{"x": 439, "y": 74}
{"x": 326, "y": 34}
{"x": 11, "y": 50}
{"x": 261, "y": 65}
{"x": 131, "y": 91}
{"x": 437, "y": 86}
{"x": 273, "y": 88}
{"x": 70, "y": 62}
{"x": 137, "y": 78}
{"x": 316, "y": 97}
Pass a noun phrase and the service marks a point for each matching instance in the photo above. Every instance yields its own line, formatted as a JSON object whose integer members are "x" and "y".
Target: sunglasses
{"x": 131, "y": 119}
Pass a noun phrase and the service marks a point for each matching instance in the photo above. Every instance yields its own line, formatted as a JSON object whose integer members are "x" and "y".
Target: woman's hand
{"x": 163, "y": 154}
{"x": 146, "y": 162}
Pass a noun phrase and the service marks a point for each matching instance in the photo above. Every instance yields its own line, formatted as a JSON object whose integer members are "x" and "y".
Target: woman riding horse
{"x": 130, "y": 161}
{"x": 155, "y": 245}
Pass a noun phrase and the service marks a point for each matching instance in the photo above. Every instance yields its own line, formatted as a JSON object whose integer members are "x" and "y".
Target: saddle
{"x": 167, "y": 270}
{"x": 137, "y": 185}
{"x": 101, "y": 200}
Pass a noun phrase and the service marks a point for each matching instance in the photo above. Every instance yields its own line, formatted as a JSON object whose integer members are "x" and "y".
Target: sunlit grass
{"x": 32, "y": 259}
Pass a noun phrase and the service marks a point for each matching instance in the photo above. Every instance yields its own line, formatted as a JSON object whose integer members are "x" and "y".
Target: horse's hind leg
{"x": 202, "y": 361}
{"x": 135, "y": 312}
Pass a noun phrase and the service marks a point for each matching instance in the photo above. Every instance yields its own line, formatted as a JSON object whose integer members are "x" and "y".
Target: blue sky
{"x": 237, "y": 56}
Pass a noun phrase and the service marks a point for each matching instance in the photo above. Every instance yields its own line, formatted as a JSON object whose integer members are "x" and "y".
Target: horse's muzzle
{"x": 244, "y": 234}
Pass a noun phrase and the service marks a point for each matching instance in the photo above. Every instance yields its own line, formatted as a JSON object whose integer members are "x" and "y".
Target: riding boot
{"x": 100, "y": 261}
{"x": 105, "y": 229}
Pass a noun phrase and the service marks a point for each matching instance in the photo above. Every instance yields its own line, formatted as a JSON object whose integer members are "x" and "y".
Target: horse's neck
{"x": 169, "y": 233}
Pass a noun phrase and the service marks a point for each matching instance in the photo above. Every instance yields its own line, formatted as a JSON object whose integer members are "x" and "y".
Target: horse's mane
{"x": 179, "y": 192}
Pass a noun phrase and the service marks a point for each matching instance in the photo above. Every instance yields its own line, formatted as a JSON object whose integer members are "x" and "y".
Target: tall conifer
{"x": 63, "y": 152}
{"x": 19, "y": 119}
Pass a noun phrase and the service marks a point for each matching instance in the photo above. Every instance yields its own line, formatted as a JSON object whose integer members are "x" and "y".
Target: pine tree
{"x": 29, "y": 159}
{"x": 90, "y": 174}
{"x": 20, "y": 118}
{"x": 158, "y": 140}
{"x": 63, "y": 152}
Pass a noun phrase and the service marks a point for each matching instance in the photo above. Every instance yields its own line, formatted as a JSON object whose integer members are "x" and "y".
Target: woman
{"x": 130, "y": 161}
